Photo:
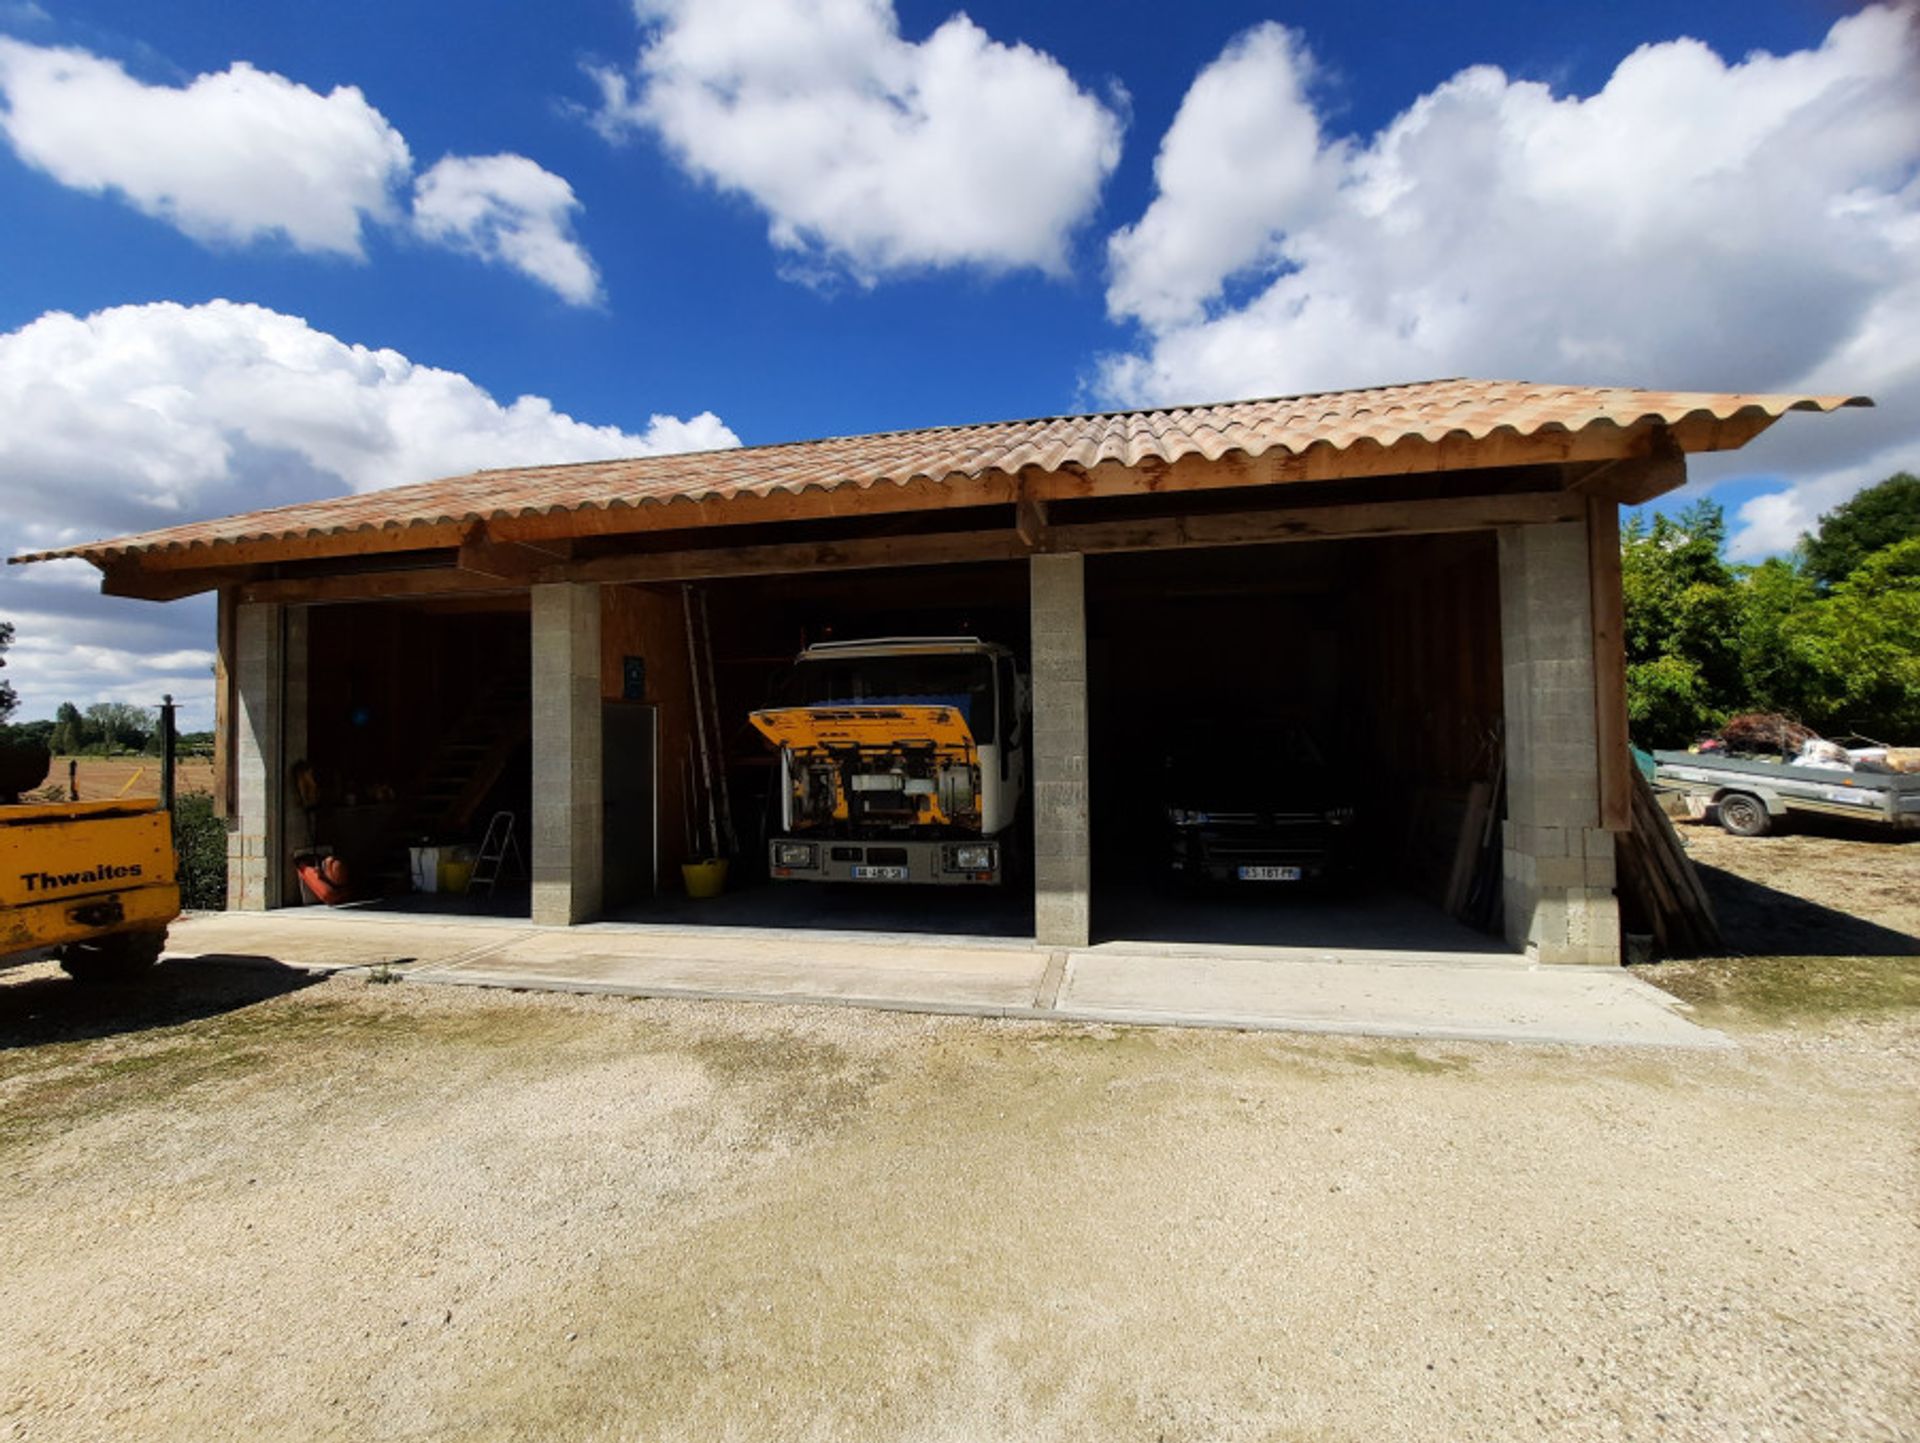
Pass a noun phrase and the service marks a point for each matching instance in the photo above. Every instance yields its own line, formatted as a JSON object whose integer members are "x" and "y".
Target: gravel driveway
{"x": 253, "y": 1208}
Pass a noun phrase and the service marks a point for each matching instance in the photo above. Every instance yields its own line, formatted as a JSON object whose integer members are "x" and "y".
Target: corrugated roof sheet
{"x": 1430, "y": 411}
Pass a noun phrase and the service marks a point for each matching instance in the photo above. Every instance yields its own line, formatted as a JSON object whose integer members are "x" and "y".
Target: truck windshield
{"x": 962, "y": 682}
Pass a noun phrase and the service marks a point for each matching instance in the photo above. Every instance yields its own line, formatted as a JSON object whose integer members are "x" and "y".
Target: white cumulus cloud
{"x": 152, "y": 415}
{"x": 1697, "y": 223}
{"x": 870, "y": 153}
{"x": 234, "y": 157}
{"x": 507, "y": 209}
{"x": 244, "y": 156}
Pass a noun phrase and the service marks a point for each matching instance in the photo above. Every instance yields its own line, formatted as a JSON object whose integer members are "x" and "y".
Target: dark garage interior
{"x": 1359, "y": 677}
{"x": 418, "y": 729}
{"x": 1273, "y": 684}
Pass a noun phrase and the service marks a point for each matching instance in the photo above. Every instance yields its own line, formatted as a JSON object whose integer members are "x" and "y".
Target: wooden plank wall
{"x": 1431, "y": 630}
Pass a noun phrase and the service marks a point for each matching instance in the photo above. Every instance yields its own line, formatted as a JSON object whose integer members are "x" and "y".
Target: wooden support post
{"x": 1609, "y": 665}
{"x": 223, "y": 714}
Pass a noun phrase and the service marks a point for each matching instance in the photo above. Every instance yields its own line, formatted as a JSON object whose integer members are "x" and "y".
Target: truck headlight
{"x": 1181, "y": 817}
{"x": 972, "y": 859}
{"x": 793, "y": 854}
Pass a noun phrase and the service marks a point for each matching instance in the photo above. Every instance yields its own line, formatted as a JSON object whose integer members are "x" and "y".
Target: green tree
{"x": 1861, "y": 644}
{"x": 119, "y": 725}
{"x": 1778, "y": 673}
{"x": 1683, "y": 625}
{"x": 1874, "y": 519}
{"x": 69, "y": 730}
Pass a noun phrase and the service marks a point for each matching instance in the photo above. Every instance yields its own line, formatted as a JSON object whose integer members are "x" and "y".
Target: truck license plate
{"x": 1269, "y": 874}
{"x": 879, "y": 874}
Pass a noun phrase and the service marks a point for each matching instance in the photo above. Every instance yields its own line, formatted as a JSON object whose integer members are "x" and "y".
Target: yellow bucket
{"x": 705, "y": 879}
{"x": 454, "y": 876}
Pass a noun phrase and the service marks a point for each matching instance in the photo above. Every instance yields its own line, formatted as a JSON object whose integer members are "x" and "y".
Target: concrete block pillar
{"x": 1062, "y": 849}
{"x": 269, "y": 670}
{"x": 1557, "y": 861}
{"x": 567, "y": 821}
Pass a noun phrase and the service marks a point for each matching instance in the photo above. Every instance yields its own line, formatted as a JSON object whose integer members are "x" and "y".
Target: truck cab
{"x": 901, "y": 760}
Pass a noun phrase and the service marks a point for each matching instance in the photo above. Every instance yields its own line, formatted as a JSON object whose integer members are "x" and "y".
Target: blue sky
{"x": 762, "y": 222}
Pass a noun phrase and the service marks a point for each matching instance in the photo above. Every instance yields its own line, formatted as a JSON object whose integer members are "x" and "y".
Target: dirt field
{"x": 236, "y": 1204}
{"x": 101, "y": 778}
{"x": 1832, "y": 884}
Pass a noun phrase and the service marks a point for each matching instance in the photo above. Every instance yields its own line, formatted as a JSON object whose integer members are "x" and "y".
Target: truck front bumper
{"x": 946, "y": 864}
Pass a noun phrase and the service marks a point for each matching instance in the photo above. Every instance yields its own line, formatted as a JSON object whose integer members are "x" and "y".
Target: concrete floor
{"x": 1143, "y": 913}
{"x": 1364, "y": 991}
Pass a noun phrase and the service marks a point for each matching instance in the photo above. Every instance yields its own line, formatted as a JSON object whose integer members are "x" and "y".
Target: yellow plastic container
{"x": 705, "y": 879}
{"x": 454, "y": 875}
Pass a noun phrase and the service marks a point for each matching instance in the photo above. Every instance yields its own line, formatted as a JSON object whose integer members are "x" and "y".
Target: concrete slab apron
{"x": 1478, "y": 1000}
{"x": 320, "y": 940}
{"x": 899, "y": 974}
{"x": 1474, "y": 998}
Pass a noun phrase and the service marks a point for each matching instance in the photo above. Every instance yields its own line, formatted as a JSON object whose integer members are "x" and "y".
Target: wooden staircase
{"x": 469, "y": 760}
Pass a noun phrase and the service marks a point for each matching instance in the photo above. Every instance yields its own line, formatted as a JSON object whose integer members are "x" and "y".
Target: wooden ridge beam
{"x": 1317, "y": 523}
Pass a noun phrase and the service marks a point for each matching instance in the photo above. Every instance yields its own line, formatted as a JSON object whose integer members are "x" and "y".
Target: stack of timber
{"x": 1659, "y": 884}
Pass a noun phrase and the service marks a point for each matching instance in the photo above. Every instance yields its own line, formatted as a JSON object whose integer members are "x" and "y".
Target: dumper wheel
{"x": 1744, "y": 816}
{"x": 119, "y": 957}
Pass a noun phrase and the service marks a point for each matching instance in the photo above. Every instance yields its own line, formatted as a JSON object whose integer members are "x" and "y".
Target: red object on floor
{"x": 326, "y": 878}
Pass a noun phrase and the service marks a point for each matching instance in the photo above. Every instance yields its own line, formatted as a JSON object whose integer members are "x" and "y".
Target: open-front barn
{"x": 1395, "y": 611}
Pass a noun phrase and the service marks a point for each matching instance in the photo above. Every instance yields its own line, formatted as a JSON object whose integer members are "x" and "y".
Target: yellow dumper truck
{"x": 94, "y": 881}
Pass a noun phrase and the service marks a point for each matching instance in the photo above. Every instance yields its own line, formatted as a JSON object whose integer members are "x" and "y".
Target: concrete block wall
{"x": 1557, "y": 861}
{"x": 1062, "y": 846}
{"x": 256, "y": 835}
{"x": 567, "y": 821}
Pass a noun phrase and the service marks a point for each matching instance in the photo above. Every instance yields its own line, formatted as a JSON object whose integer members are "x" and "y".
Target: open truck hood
{"x": 817, "y": 730}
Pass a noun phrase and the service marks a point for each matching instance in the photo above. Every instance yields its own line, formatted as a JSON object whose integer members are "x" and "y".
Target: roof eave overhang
{"x": 1630, "y": 463}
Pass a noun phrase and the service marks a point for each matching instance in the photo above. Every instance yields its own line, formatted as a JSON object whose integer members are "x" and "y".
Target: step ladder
{"x": 497, "y": 848}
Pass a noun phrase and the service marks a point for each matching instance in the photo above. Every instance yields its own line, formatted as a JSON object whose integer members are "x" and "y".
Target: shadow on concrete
{"x": 514, "y": 902}
{"x": 1264, "y": 916}
{"x": 38, "y": 1010}
{"x": 1004, "y": 912}
{"x": 1761, "y": 922}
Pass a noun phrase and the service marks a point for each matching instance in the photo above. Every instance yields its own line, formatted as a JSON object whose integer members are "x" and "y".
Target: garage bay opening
{"x": 1297, "y": 745}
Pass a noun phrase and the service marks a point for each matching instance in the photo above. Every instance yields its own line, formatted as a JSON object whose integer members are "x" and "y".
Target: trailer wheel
{"x": 1744, "y": 815}
{"x": 119, "y": 957}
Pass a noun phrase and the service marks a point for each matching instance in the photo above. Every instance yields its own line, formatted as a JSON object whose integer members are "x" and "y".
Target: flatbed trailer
{"x": 1748, "y": 797}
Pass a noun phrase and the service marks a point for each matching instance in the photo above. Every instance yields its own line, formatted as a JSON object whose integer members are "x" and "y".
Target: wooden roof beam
{"x": 1317, "y": 523}
{"x": 485, "y": 554}
{"x": 1633, "y": 480}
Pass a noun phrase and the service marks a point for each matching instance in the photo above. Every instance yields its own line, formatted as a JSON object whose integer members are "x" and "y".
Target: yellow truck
{"x": 901, "y": 759}
{"x": 93, "y": 881}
